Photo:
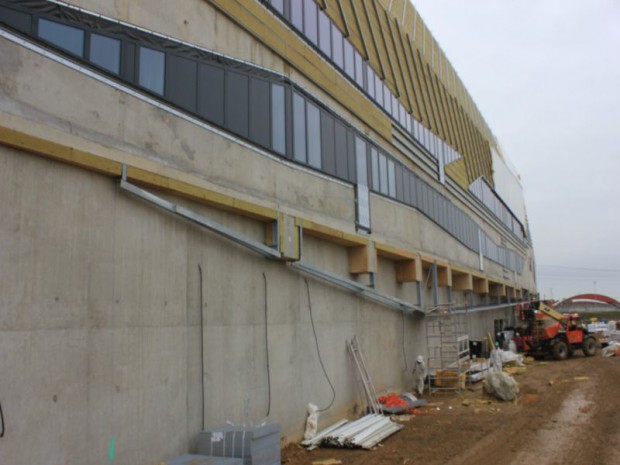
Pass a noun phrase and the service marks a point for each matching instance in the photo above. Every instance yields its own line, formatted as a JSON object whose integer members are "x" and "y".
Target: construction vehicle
{"x": 549, "y": 332}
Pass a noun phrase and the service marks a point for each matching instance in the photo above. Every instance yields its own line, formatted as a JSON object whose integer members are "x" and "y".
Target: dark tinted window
{"x": 374, "y": 169}
{"x": 211, "y": 93}
{"x": 299, "y": 128}
{"x": 419, "y": 194}
{"x": 236, "y": 109}
{"x": 128, "y": 69}
{"x": 151, "y": 70}
{"x": 399, "y": 183}
{"x": 278, "y": 119}
{"x": 341, "y": 150}
{"x": 68, "y": 38}
{"x": 351, "y": 156}
{"x": 391, "y": 179}
{"x": 15, "y": 19}
{"x": 181, "y": 81}
{"x": 328, "y": 151}
{"x": 383, "y": 174}
{"x": 260, "y": 121}
{"x": 313, "y": 121}
{"x": 406, "y": 187}
{"x": 412, "y": 189}
{"x": 105, "y": 52}
{"x": 361, "y": 161}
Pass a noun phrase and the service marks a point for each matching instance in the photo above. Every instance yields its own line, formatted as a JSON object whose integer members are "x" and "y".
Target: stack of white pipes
{"x": 366, "y": 432}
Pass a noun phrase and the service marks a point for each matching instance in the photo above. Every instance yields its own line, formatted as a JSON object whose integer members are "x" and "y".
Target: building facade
{"x": 203, "y": 201}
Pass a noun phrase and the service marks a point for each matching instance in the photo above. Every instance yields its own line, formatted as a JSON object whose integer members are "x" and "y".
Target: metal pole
{"x": 435, "y": 289}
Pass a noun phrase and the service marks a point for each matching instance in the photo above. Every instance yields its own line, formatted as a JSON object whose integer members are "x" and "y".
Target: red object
{"x": 392, "y": 400}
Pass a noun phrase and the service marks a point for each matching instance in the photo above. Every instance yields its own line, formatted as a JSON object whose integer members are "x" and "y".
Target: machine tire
{"x": 589, "y": 346}
{"x": 560, "y": 350}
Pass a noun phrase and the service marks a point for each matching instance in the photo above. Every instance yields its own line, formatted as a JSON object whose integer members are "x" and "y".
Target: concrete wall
{"x": 100, "y": 326}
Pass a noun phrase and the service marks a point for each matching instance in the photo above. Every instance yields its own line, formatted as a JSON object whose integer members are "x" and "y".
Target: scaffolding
{"x": 447, "y": 341}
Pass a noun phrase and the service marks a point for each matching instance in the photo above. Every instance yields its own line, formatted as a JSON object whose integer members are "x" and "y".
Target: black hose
{"x": 316, "y": 341}
{"x": 202, "y": 349}
{"x": 267, "y": 350}
{"x": 2, "y": 420}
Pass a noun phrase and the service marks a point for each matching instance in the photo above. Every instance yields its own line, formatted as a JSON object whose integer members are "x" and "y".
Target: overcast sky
{"x": 546, "y": 76}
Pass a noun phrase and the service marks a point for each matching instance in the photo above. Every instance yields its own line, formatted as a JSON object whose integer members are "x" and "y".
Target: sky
{"x": 545, "y": 75}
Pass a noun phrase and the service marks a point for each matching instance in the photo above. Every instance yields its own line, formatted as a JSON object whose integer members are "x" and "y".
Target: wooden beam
{"x": 330, "y": 234}
{"x": 494, "y": 287}
{"x": 462, "y": 282}
{"x": 409, "y": 270}
{"x": 444, "y": 276}
{"x": 481, "y": 285}
{"x": 363, "y": 259}
{"x": 394, "y": 253}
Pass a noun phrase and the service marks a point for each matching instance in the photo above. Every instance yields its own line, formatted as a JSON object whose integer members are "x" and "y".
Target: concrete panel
{"x": 44, "y": 397}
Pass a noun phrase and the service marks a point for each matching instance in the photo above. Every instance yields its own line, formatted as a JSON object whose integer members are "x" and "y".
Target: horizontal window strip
{"x": 259, "y": 106}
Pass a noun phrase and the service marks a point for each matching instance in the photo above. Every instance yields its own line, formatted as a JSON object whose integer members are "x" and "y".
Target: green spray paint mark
{"x": 111, "y": 448}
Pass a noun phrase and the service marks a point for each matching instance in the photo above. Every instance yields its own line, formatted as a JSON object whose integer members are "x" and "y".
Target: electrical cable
{"x": 316, "y": 341}
{"x": 267, "y": 350}
{"x": 202, "y": 348}
{"x": 1, "y": 420}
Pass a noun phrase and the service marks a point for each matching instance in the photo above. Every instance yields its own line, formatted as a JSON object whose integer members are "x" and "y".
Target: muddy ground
{"x": 567, "y": 413}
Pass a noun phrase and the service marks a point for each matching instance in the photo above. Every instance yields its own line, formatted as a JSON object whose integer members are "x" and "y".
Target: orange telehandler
{"x": 549, "y": 332}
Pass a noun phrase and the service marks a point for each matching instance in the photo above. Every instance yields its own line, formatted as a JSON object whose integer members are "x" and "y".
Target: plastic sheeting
{"x": 502, "y": 386}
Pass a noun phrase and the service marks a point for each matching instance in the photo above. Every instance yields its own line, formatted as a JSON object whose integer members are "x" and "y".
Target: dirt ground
{"x": 567, "y": 413}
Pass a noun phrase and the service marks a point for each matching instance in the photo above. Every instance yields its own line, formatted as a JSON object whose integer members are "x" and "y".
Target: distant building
{"x": 189, "y": 188}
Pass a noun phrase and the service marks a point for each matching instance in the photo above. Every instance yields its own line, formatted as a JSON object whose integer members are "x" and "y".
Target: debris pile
{"x": 392, "y": 400}
{"x": 393, "y": 404}
{"x": 612, "y": 349}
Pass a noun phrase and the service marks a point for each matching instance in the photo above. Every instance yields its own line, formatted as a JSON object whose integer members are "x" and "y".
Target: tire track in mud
{"x": 550, "y": 432}
{"x": 558, "y": 440}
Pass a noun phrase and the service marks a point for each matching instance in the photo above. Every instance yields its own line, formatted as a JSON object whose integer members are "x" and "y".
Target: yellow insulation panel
{"x": 397, "y": 44}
